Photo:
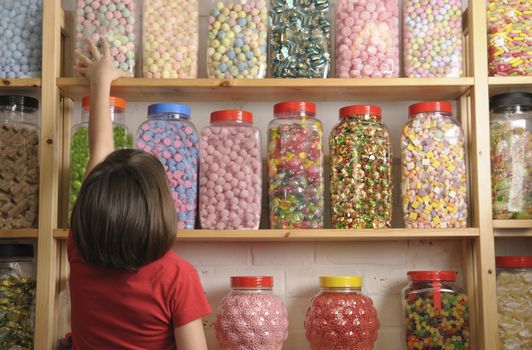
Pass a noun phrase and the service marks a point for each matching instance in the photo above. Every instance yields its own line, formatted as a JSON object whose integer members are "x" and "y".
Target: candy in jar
{"x": 361, "y": 169}
{"x": 295, "y": 167}
{"x": 433, "y": 166}
{"x": 169, "y": 135}
{"x": 341, "y": 317}
{"x": 251, "y": 316}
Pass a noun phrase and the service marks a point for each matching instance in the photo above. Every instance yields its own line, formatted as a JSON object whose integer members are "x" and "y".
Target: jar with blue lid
{"x": 169, "y": 135}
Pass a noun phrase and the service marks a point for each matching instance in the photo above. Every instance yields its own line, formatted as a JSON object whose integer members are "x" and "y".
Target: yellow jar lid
{"x": 341, "y": 282}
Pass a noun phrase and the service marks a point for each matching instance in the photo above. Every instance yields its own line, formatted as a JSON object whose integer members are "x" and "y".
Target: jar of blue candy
{"x": 169, "y": 135}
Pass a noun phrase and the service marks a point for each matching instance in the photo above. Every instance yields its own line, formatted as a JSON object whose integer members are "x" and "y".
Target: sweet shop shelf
{"x": 19, "y": 233}
{"x": 507, "y": 84}
{"x": 512, "y": 224}
{"x": 512, "y": 228}
{"x": 20, "y": 83}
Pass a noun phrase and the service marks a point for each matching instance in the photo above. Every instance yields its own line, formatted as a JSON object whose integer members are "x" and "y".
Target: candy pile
{"x": 237, "y": 46}
{"x": 170, "y": 38}
{"x": 300, "y": 38}
{"x": 367, "y": 39}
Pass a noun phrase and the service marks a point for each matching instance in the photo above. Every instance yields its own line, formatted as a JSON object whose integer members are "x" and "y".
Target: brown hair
{"x": 124, "y": 216}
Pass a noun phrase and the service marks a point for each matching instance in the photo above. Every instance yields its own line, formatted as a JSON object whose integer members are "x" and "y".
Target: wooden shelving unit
{"x": 19, "y": 234}
{"x": 512, "y": 224}
{"x": 20, "y": 83}
{"x": 507, "y": 84}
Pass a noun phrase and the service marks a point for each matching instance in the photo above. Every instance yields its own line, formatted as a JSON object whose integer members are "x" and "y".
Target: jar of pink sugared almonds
{"x": 251, "y": 316}
{"x": 230, "y": 172}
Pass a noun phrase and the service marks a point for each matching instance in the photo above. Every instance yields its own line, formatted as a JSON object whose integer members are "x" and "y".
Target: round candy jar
{"x": 170, "y": 38}
{"x": 514, "y": 284}
{"x": 19, "y": 162}
{"x": 361, "y": 169}
{"x": 237, "y": 39}
{"x": 79, "y": 144}
{"x": 367, "y": 39}
{"x": 511, "y": 155}
{"x": 230, "y": 172}
{"x": 435, "y": 312}
{"x": 341, "y": 317}
{"x": 300, "y": 39}
{"x": 169, "y": 135}
{"x": 434, "y": 184}
{"x": 295, "y": 167}
{"x": 251, "y": 316}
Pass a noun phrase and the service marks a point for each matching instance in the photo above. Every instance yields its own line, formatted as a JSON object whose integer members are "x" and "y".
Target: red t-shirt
{"x": 133, "y": 310}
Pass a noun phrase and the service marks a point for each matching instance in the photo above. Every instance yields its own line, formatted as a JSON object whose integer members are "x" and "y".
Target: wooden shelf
{"x": 20, "y": 233}
{"x": 512, "y": 224}
{"x": 499, "y": 85}
{"x": 20, "y": 83}
{"x": 195, "y": 90}
{"x": 512, "y": 228}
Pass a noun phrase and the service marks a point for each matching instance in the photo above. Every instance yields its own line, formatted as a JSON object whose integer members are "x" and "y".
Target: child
{"x": 128, "y": 289}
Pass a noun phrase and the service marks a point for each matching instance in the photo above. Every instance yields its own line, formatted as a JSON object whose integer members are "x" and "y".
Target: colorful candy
{"x": 367, "y": 39}
{"x": 434, "y": 180}
{"x": 237, "y": 46}
{"x": 433, "y": 43}
{"x": 300, "y": 38}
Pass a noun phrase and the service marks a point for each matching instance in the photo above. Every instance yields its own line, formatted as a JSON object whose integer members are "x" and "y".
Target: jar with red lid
{"x": 514, "y": 284}
{"x": 434, "y": 179}
{"x": 361, "y": 169}
{"x": 295, "y": 167}
{"x": 230, "y": 172}
{"x": 436, "y": 312}
{"x": 251, "y": 316}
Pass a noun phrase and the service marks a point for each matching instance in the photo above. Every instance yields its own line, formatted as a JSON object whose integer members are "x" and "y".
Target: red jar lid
{"x": 294, "y": 106}
{"x": 232, "y": 115}
{"x": 423, "y": 107}
{"x": 514, "y": 262}
{"x": 360, "y": 110}
{"x": 251, "y": 281}
{"x": 429, "y": 276}
{"x": 113, "y": 102}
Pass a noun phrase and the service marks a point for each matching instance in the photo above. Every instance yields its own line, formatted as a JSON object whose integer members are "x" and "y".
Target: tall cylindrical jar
{"x": 514, "y": 305}
{"x": 230, "y": 172}
{"x": 251, "y": 316}
{"x": 19, "y": 162}
{"x": 367, "y": 39}
{"x": 295, "y": 167}
{"x": 361, "y": 169}
{"x": 434, "y": 183}
{"x": 79, "y": 144}
{"x": 433, "y": 38}
{"x": 511, "y": 155}
{"x": 340, "y": 316}
{"x": 169, "y": 135}
{"x": 237, "y": 39}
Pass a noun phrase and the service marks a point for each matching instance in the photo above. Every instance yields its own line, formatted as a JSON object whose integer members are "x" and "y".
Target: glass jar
{"x": 367, "y": 39}
{"x": 514, "y": 283}
{"x": 434, "y": 184}
{"x": 433, "y": 38}
{"x": 300, "y": 39}
{"x": 230, "y": 172}
{"x": 17, "y": 295}
{"x": 295, "y": 167}
{"x": 20, "y": 39}
{"x": 341, "y": 317}
{"x": 79, "y": 144}
{"x": 114, "y": 20}
{"x": 19, "y": 162}
{"x": 169, "y": 135}
{"x": 435, "y": 311}
{"x": 509, "y": 40}
{"x": 237, "y": 39}
{"x": 361, "y": 169}
{"x": 251, "y": 316}
{"x": 170, "y": 39}
{"x": 511, "y": 155}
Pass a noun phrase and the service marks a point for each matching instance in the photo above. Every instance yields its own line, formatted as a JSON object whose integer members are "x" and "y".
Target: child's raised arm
{"x": 191, "y": 336}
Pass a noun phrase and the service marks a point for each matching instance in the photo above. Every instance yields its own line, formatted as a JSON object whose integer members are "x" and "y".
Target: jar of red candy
{"x": 230, "y": 172}
{"x": 435, "y": 312}
{"x": 169, "y": 135}
{"x": 341, "y": 317}
{"x": 295, "y": 167}
{"x": 251, "y": 316}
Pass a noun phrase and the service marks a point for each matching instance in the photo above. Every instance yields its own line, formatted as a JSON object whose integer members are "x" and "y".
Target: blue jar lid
{"x": 169, "y": 108}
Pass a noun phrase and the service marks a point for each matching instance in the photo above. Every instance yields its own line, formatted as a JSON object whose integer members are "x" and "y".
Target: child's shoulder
{"x": 173, "y": 265}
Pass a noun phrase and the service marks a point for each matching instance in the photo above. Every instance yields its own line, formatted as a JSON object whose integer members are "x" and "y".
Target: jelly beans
{"x": 169, "y": 135}
{"x": 509, "y": 37}
{"x": 433, "y": 168}
{"x": 300, "y": 38}
{"x": 170, "y": 38}
{"x": 367, "y": 39}
{"x": 20, "y": 38}
{"x": 295, "y": 167}
{"x": 237, "y": 46}
{"x": 361, "y": 170}
{"x": 113, "y": 20}
{"x": 433, "y": 38}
